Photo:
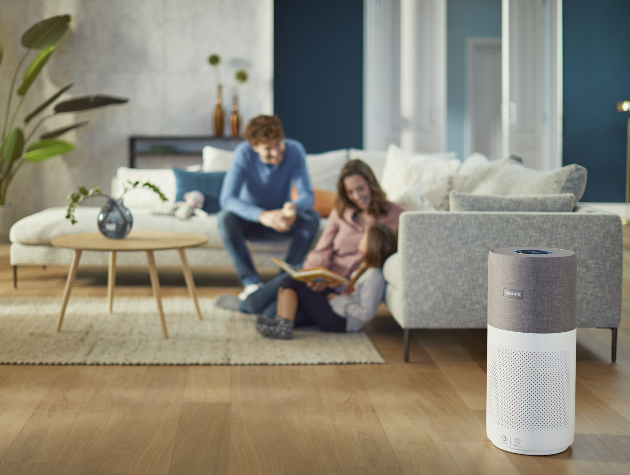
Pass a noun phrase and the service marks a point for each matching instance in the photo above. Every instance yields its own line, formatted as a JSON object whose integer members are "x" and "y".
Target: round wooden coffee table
{"x": 148, "y": 241}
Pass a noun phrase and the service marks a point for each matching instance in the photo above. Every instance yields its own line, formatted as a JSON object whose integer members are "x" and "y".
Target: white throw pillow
{"x": 415, "y": 199}
{"x": 432, "y": 171}
{"x": 163, "y": 178}
{"x": 376, "y": 160}
{"x": 216, "y": 159}
{"x": 324, "y": 168}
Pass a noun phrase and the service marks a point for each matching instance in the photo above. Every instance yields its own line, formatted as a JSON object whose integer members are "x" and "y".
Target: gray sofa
{"x": 438, "y": 278}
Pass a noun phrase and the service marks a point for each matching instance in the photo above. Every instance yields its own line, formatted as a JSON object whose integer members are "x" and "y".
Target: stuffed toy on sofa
{"x": 192, "y": 205}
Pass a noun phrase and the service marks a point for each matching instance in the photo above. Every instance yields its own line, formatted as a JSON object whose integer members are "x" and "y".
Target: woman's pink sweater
{"x": 338, "y": 246}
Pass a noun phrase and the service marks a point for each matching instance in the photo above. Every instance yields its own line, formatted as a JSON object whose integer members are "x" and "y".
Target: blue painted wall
{"x": 596, "y": 47}
{"x": 318, "y": 72}
{"x": 464, "y": 18}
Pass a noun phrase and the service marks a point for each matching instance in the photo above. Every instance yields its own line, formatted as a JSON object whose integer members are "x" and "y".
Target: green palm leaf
{"x": 45, "y": 104}
{"x": 34, "y": 69}
{"x": 43, "y": 149}
{"x": 57, "y": 132}
{"x": 12, "y": 145}
{"x": 87, "y": 102}
{"x": 46, "y": 33}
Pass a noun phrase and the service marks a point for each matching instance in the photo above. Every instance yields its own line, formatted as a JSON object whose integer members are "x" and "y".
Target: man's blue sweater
{"x": 251, "y": 187}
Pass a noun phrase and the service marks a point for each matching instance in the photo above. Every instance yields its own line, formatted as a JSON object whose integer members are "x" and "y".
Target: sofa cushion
{"x": 414, "y": 199}
{"x": 561, "y": 203}
{"x": 433, "y": 171}
{"x": 475, "y": 170}
{"x": 209, "y": 184}
{"x": 509, "y": 177}
{"x": 40, "y": 228}
{"x": 216, "y": 159}
{"x": 163, "y": 178}
{"x": 517, "y": 180}
{"x": 323, "y": 168}
{"x": 375, "y": 160}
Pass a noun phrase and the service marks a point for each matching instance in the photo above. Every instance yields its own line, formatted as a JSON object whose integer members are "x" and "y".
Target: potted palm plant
{"x": 19, "y": 141}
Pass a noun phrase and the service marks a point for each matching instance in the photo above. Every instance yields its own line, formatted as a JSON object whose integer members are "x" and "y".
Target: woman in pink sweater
{"x": 360, "y": 203}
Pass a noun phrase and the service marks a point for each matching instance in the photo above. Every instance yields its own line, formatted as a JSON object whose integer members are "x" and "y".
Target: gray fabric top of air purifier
{"x": 532, "y": 293}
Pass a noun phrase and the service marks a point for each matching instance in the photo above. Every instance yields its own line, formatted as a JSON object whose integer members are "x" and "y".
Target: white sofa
{"x": 31, "y": 236}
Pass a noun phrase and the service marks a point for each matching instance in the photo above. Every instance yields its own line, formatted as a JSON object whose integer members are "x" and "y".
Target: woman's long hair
{"x": 382, "y": 242}
{"x": 379, "y": 203}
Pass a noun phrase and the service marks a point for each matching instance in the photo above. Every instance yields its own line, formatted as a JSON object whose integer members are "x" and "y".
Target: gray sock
{"x": 228, "y": 302}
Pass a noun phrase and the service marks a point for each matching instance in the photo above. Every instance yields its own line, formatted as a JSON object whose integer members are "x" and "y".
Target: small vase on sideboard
{"x": 235, "y": 118}
{"x": 219, "y": 114}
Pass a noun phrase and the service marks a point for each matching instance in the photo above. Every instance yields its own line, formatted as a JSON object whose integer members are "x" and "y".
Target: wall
{"x": 318, "y": 76}
{"x": 150, "y": 51}
{"x": 464, "y": 18}
{"x": 596, "y": 72}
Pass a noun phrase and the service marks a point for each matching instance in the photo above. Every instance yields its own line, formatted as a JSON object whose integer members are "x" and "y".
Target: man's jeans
{"x": 235, "y": 231}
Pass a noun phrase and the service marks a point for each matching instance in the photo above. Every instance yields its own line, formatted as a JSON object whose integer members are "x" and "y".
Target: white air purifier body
{"x": 532, "y": 320}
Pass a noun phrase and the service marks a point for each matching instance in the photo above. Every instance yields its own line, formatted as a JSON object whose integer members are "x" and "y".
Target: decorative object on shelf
{"x": 235, "y": 119}
{"x": 624, "y": 106}
{"x": 114, "y": 220}
{"x": 219, "y": 115}
{"x": 16, "y": 149}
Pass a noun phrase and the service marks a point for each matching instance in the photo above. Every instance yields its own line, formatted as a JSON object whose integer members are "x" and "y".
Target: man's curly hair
{"x": 264, "y": 128}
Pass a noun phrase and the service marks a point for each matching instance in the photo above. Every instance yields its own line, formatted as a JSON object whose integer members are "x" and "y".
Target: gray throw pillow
{"x": 546, "y": 203}
{"x": 514, "y": 179}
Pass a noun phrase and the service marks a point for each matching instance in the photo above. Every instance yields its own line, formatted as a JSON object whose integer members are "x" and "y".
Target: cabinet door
{"x": 532, "y": 81}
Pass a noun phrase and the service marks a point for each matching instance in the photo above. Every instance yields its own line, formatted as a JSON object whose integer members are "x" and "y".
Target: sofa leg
{"x": 614, "y": 344}
{"x": 15, "y": 277}
{"x": 406, "y": 340}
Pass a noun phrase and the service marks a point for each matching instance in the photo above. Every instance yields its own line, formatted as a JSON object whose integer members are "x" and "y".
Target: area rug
{"x": 131, "y": 335}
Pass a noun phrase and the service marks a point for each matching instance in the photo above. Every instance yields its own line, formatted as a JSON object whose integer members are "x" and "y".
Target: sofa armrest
{"x": 443, "y": 264}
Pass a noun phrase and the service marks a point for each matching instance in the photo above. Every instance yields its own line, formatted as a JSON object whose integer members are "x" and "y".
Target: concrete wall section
{"x": 151, "y": 51}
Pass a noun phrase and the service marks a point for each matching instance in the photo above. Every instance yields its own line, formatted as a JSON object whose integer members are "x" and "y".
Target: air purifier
{"x": 532, "y": 311}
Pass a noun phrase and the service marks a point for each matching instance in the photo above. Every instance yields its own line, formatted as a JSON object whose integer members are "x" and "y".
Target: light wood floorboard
{"x": 427, "y": 416}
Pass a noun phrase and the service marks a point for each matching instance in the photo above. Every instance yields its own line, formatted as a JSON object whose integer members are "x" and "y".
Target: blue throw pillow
{"x": 209, "y": 184}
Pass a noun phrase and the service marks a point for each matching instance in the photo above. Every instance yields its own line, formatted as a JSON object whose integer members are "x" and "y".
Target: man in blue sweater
{"x": 256, "y": 198}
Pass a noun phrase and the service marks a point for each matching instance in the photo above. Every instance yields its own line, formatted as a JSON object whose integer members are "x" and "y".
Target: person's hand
{"x": 289, "y": 212}
{"x": 330, "y": 296}
{"x": 317, "y": 286}
{"x": 274, "y": 219}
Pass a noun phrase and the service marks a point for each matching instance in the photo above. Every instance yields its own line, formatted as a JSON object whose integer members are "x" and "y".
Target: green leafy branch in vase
{"x": 16, "y": 147}
{"x": 78, "y": 197}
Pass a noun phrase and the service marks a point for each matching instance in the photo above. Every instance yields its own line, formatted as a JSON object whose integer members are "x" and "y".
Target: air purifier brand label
{"x": 513, "y": 294}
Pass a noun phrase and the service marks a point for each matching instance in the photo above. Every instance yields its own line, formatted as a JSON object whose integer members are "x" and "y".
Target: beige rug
{"x": 132, "y": 336}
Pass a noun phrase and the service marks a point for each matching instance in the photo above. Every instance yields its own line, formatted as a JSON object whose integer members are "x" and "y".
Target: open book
{"x": 316, "y": 274}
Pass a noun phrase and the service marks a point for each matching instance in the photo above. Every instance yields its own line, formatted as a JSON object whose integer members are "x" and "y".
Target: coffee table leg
{"x": 66, "y": 293}
{"x": 155, "y": 283}
{"x": 111, "y": 280}
{"x": 190, "y": 283}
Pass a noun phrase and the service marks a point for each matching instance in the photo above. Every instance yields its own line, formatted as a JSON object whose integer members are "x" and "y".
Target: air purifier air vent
{"x": 529, "y": 391}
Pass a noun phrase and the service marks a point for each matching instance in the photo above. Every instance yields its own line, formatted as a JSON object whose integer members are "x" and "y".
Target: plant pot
{"x": 7, "y": 218}
{"x": 115, "y": 221}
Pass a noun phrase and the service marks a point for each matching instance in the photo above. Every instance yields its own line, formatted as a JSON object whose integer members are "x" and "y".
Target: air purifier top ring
{"x": 533, "y": 252}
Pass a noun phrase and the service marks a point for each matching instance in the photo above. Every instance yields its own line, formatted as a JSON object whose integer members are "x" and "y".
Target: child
{"x": 332, "y": 312}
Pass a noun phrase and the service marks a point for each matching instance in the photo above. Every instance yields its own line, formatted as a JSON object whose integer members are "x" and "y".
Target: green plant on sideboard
{"x": 17, "y": 146}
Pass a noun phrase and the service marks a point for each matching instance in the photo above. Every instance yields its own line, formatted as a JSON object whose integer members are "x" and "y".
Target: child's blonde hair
{"x": 382, "y": 242}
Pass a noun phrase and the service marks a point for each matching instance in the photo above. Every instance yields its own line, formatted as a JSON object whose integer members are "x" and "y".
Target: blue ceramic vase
{"x": 114, "y": 220}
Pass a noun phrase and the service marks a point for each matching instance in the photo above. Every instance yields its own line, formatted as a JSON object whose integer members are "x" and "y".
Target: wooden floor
{"x": 426, "y": 416}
